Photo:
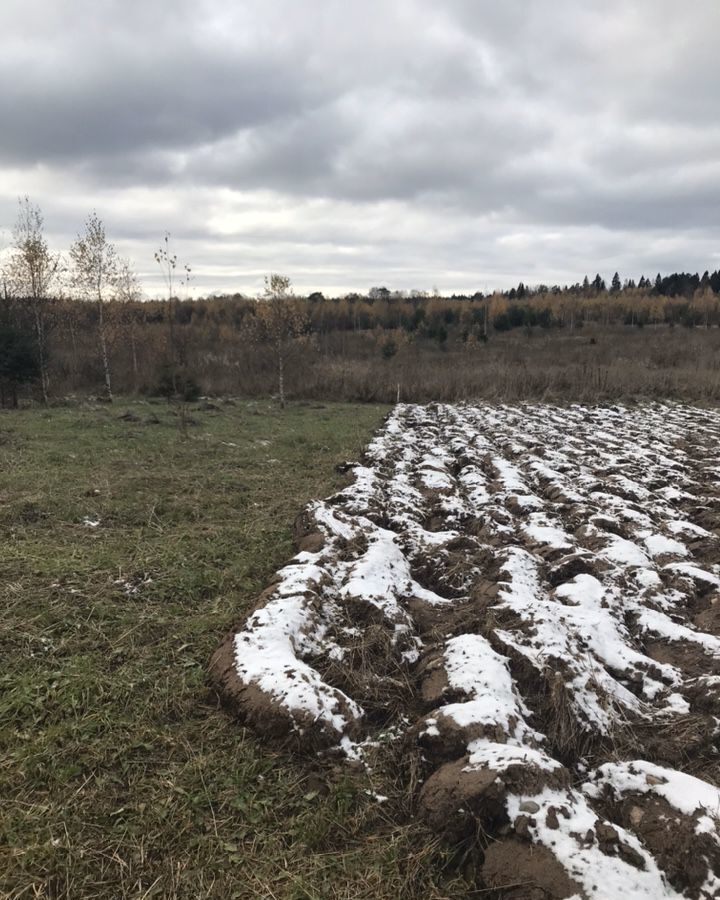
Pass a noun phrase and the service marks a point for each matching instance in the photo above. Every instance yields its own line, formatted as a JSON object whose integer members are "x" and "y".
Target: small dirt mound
{"x": 462, "y": 793}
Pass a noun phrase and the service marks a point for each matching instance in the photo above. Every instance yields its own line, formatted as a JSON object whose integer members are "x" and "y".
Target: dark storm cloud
{"x": 92, "y": 96}
{"x": 463, "y": 137}
{"x": 140, "y": 109}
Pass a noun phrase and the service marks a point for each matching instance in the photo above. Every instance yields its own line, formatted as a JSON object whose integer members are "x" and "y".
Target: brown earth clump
{"x": 682, "y": 851}
{"x": 703, "y": 694}
{"x": 571, "y": 564}
{"x": 691, "y": 658}
{"x": 709, "y": 619}
{"x": 521, "y": 871}
{"x": 442, "y": 738}
{"x": 457, "y": 795}
{"x": 306, "y": 533}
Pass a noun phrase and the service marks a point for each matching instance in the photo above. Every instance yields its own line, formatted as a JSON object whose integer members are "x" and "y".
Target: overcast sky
{"x": 463, "y": 144}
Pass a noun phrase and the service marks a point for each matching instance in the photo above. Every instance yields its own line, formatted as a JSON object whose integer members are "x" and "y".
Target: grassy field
{"x": 119, "y": 775}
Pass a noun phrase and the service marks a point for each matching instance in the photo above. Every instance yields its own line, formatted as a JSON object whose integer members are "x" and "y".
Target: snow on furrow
{"x": 482, "y": 676}
{"x": 687, "y": 794}
{"x": 581, "y": 639}
{"x": 566, "y": 824}
{"x": 267, "y": 655}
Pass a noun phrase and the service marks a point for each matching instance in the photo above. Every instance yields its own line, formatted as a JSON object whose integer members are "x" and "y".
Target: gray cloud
{"x": 468, "y": 142}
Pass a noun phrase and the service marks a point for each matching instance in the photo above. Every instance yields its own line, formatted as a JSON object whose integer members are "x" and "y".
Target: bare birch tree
{"x": 280, "y": 319}
{"x": 168, "y": 265}
{"x": 31, "y": 274}
{"x": 129, "y": 294}
{"x": 95, "y": 272}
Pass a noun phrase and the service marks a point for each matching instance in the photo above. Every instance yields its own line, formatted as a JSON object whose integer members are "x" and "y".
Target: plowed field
{"x": 527, "y": 600}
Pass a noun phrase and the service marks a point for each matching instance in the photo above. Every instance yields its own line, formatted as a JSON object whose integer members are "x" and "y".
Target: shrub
{"x": 183, "y": 386}
{"x": 18, "y": 362}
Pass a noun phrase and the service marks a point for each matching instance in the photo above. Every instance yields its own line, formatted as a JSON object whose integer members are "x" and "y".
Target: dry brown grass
{"x": 622, "y": 363}
{"x": 593, "y": 364}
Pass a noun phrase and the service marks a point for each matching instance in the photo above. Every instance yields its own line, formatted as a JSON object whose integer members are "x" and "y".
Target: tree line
{"x": 80, "y": 323}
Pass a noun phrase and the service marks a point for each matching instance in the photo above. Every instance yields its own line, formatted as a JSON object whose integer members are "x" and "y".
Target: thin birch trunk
{"x": 103, "y": 350}
{"x": 42, "y": 356}
{"x": 133, "y": 349}
{"x": 281, "y": 375}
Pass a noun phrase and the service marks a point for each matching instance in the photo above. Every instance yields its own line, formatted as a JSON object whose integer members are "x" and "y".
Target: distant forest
{"x": 222, "y": 345}
{"x": 81, "y": 326}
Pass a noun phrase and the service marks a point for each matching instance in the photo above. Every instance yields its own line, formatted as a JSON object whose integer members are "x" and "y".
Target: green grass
{"x": 119, "y": 776}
